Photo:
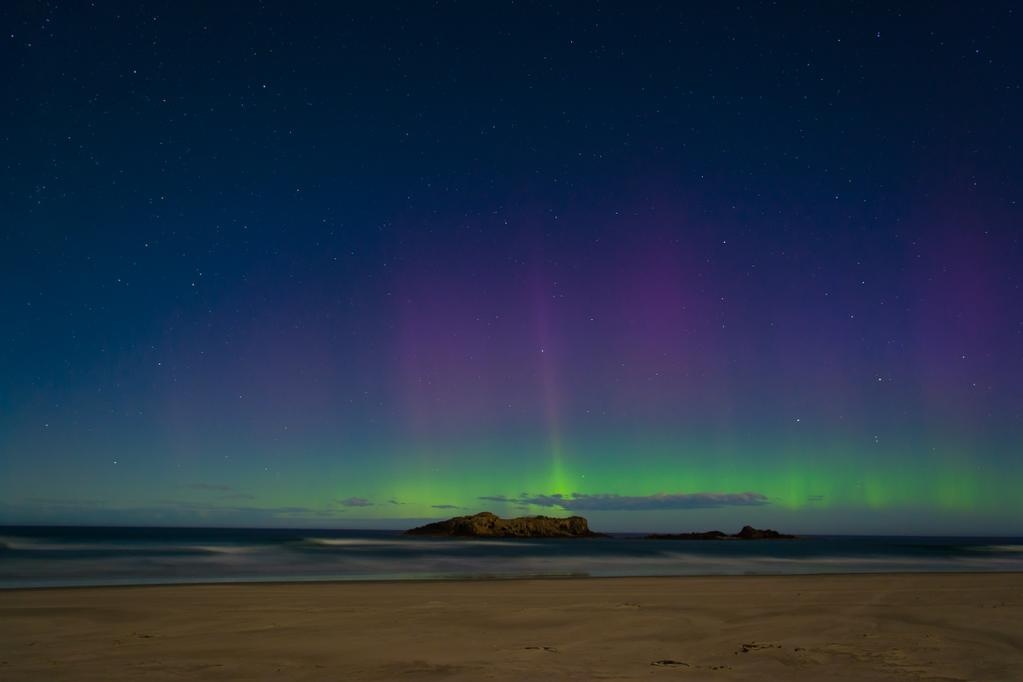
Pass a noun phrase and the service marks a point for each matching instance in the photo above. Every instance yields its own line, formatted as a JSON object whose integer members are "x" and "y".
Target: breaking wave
{"x": 1008, "y": 549}
{"x": 415, "y": 543}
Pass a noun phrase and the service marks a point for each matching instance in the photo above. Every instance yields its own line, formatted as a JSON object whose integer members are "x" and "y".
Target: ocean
{"x": 77, "y": 556}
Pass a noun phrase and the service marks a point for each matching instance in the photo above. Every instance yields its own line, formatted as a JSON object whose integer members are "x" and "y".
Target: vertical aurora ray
{"x": 547, "y": 352}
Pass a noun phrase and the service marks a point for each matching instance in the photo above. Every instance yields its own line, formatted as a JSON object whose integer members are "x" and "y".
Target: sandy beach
{"x": 856, "y": 627}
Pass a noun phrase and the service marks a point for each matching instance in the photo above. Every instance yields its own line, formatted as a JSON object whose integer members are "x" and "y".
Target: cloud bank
{"x": 355, "y": 502}
{"x": 212, "y": 487}
{"x": 612, "y": 502}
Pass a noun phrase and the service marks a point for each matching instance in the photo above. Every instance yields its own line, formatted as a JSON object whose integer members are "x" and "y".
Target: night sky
{"x": 666, "y": 266}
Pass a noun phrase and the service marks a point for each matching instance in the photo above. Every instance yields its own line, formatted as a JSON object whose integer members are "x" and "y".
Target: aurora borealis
{"x": 669, "y": 267}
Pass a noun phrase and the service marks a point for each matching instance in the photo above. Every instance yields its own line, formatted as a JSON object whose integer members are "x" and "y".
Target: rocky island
{"x": 488, "y": 525}
{"x": 747, "y": 533}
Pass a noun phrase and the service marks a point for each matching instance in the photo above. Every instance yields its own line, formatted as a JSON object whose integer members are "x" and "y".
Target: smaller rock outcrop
{"x": 747, "y": 533}
{"x": 751, "y": 533}
{"x": 488, "y": 525}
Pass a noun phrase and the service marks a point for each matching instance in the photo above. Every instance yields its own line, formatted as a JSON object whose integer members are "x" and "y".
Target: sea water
{"x": 68, "y": 556}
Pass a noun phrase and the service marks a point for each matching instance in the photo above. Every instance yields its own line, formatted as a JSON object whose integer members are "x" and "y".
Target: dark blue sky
{"x": 258, "y": 260}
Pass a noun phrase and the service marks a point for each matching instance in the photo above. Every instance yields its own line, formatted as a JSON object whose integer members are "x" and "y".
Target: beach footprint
{"x": 669, "y": 663}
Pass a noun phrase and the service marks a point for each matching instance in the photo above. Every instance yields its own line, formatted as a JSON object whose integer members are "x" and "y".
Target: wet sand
{"x": 855, "y": 627}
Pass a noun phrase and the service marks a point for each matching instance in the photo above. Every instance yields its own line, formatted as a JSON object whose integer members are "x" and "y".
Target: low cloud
{"x": 355, "y": 502}
{"x": 54, "y": 502}
{"x": 212, "y": 487}
{"x": 224, "y": 492}
{"x": 612, "y": 502}
{"x": 444, "y": 506}
{"x": 160, "y": 512}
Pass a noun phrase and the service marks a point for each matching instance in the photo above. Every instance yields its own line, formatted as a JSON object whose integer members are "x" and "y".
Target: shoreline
{"x": 863, "y": 626}
{"x": 496, "y": 579}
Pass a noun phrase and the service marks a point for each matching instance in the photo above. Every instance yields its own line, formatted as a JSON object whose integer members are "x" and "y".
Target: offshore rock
{"x": 487, "y": 525}
{"x": 751, "y": 533}
{"x": 747, "y": 533}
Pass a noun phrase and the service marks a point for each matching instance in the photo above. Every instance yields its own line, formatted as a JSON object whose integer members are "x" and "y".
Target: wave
{"x": 33, "y": 545}
{"x": 68, "y": 558}
{"x": 28, "y": 544}
{"x": 413, "y": 543}
{"x": 347, "y": 542}
{"x": 218, "y": 549}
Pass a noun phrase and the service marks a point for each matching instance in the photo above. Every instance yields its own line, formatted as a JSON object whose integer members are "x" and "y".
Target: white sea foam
{"x": 417, "y": 543}
{"x": 32, "y": 544}
{"x": 24, "y": 544}
{"x": 219, "y": 549}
